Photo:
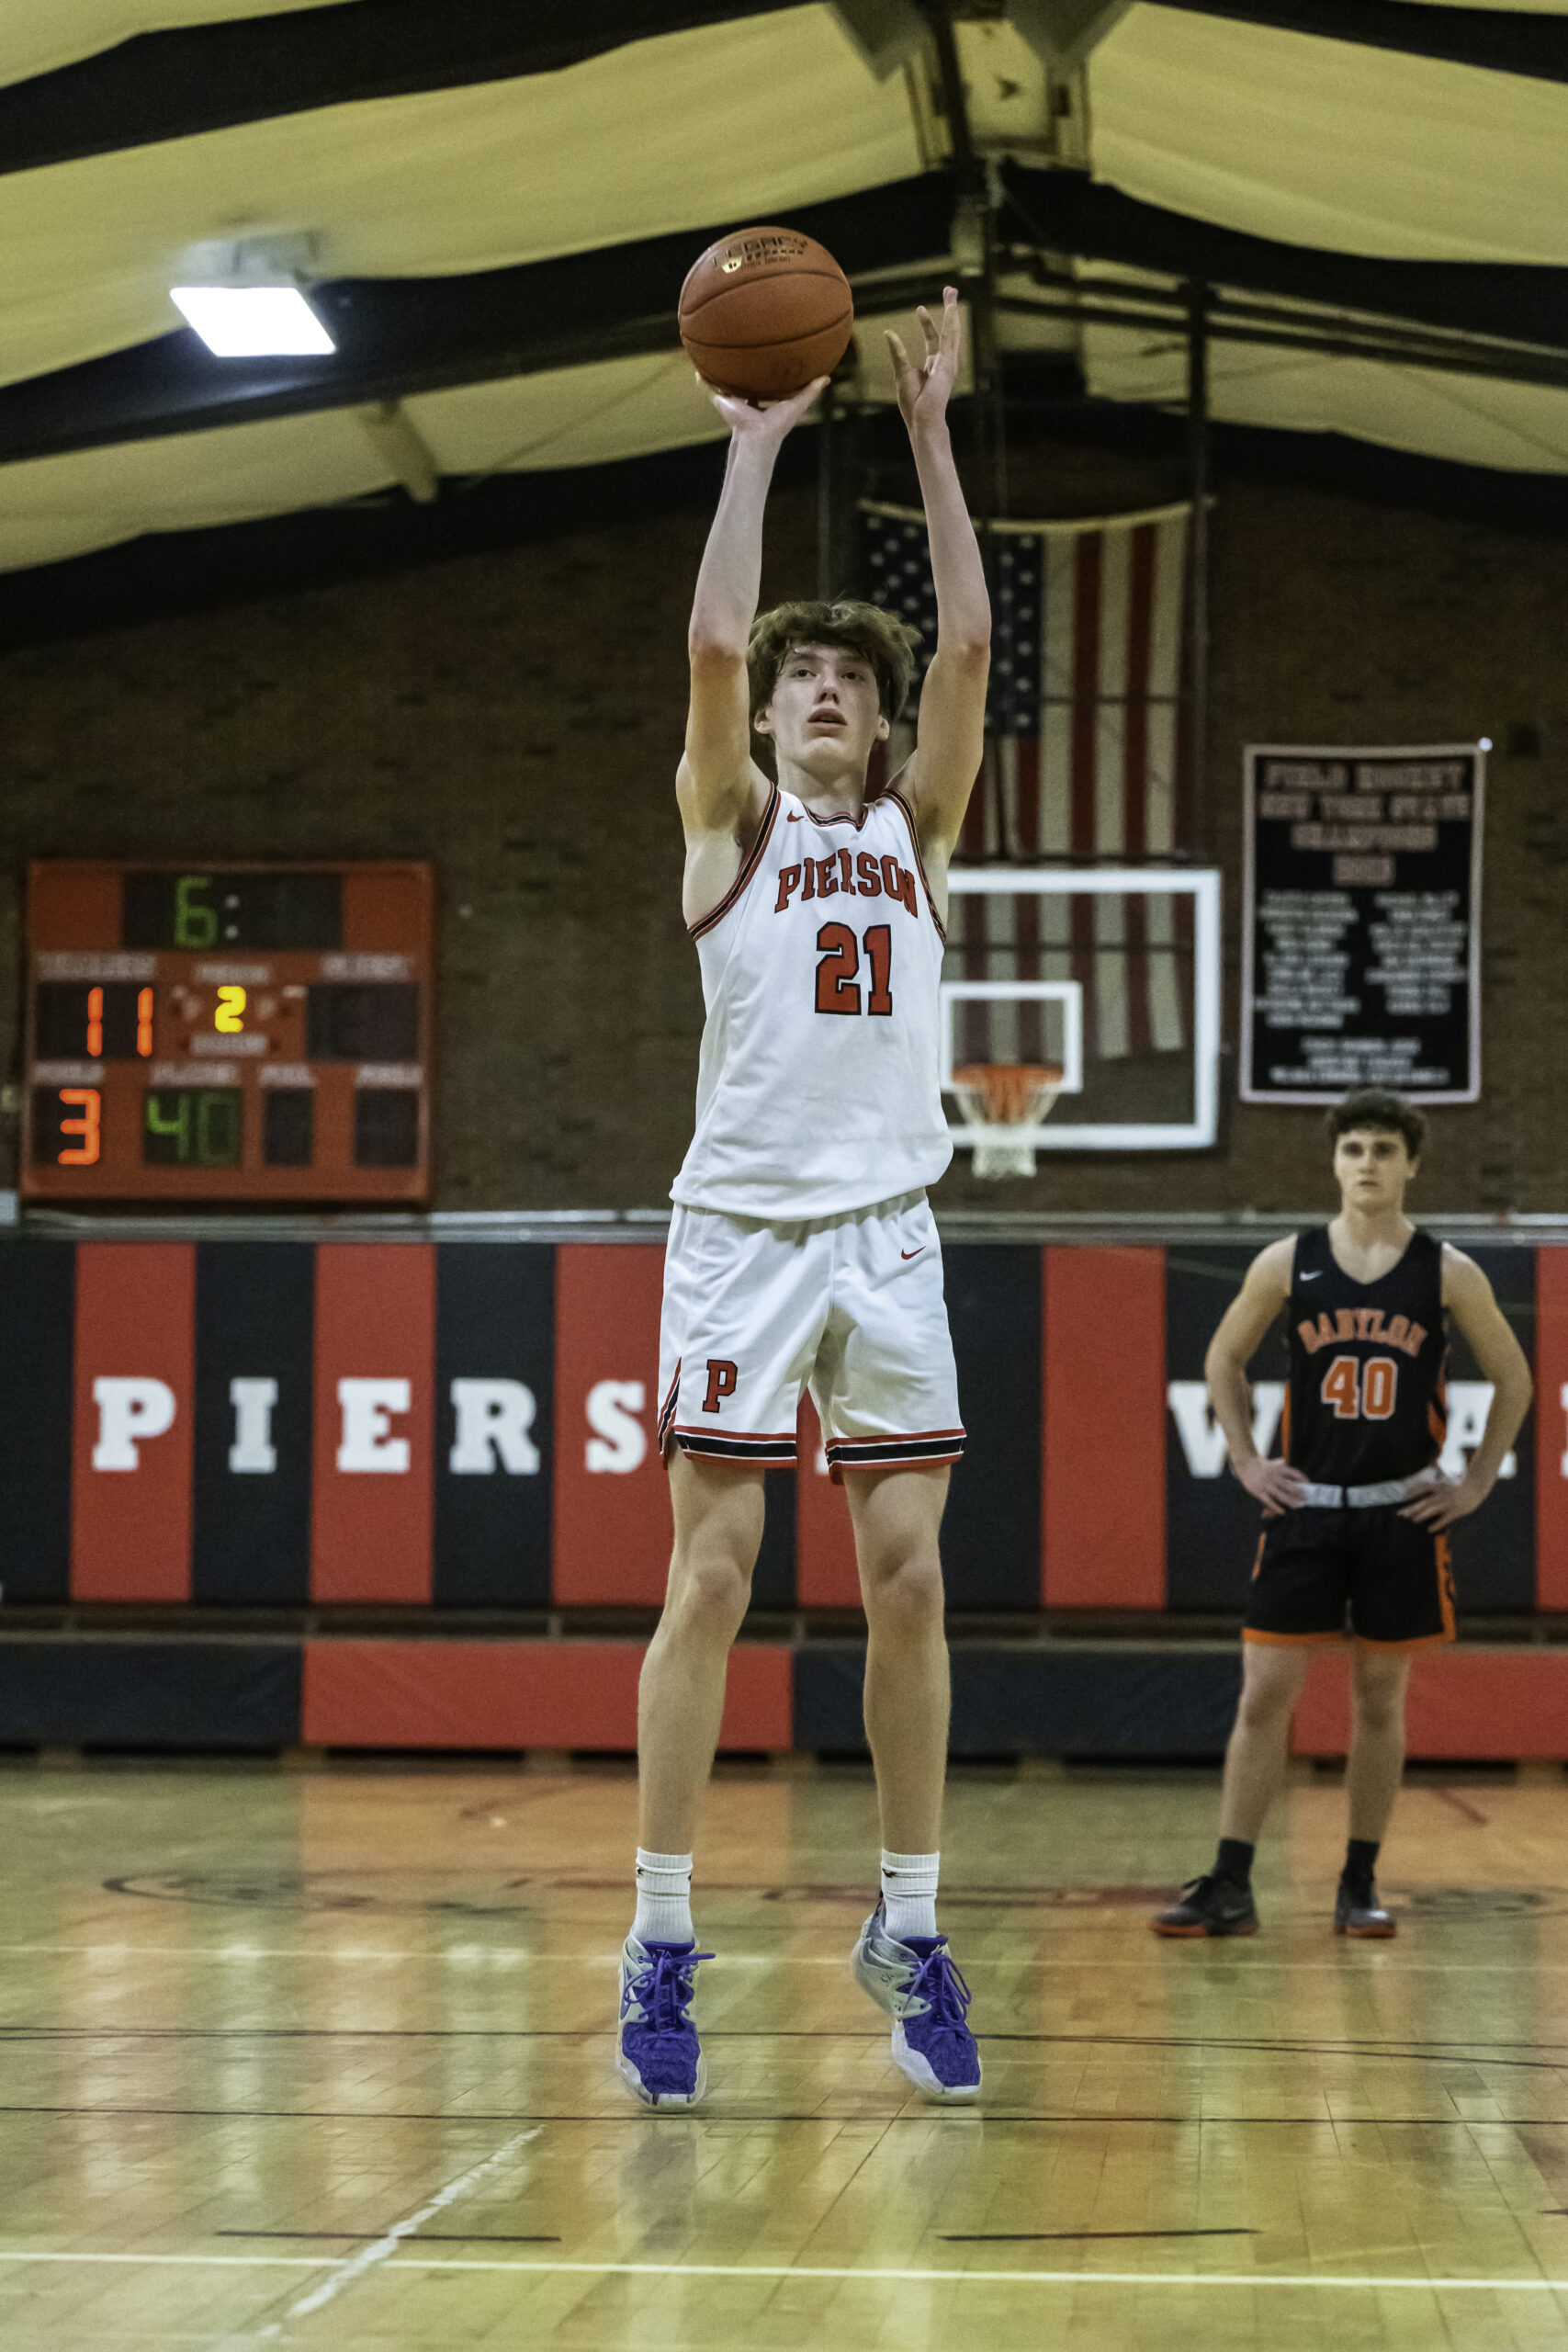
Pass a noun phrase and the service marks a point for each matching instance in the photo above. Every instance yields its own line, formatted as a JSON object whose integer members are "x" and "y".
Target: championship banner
{"x": 1361, "y": 944}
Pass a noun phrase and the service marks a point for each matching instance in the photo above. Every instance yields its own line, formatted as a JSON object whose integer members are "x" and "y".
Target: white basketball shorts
{"x": 848, "y": 1306}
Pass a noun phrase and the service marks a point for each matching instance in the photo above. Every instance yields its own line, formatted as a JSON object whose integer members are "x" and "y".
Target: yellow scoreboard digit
{"x": 228, "y": 1033}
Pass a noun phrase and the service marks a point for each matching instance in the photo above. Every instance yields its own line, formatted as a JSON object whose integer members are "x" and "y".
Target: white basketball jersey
{"x": 818, "y": 1090}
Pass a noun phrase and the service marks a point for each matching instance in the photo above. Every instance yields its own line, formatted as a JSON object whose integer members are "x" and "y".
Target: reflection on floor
{"x": 322, "y": 2060}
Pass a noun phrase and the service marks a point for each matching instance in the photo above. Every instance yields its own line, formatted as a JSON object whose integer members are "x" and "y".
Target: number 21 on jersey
{"x": 838, "y": 987}
{"x": 1361, "y": 1391}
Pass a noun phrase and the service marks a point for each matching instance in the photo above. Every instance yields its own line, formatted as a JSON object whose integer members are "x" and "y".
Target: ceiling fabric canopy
{"x": 450, "y": 181}
{"x": 1201, "y": 127}
{"x": 1321, "y": 143}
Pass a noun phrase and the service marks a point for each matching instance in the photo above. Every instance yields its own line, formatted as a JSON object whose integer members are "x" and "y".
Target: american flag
{"x": 1086, "y": 759}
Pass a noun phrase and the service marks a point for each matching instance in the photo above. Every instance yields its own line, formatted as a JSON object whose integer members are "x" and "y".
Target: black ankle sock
{"x": 1234, "y": 1862}
{"x": 1360, "y": 1861}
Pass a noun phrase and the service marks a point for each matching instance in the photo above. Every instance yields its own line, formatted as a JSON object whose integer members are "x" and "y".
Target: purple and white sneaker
{"x": 916, "y": 1982}
{"x": 657, "y": 2052}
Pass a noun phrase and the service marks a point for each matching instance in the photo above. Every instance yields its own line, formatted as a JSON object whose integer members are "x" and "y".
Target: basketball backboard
{"x": 1110, "y": 978}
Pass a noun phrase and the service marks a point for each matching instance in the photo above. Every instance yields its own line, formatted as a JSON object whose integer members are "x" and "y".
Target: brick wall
{"x": 516, "y": 718}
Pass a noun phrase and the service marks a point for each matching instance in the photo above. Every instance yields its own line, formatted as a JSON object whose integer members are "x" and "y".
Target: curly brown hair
{"x": 889, "y": 643}
{"x": 1382, "y": 1111}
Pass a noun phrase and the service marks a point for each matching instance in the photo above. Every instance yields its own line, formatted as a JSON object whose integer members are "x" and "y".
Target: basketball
{"x": 764, "y": 311}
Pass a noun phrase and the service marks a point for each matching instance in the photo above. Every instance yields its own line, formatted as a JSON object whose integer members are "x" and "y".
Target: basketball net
{"x": 999, "y": 1096}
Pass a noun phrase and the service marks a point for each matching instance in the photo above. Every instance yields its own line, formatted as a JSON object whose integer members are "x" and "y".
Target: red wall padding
{"x": 1473, "y": 1703}
{"x": 370, "y": 1533}
{"x": 517, "y": 1694}
{"x": 611, "y": 1522}
{"x": 135, "y": 1319}
{"x": 826, "y": 1575}
{"x": 1102, "y": 1450}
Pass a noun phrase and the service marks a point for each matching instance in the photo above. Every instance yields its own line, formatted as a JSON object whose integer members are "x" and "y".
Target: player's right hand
{"x": 1274, "y": 1484}
{"x": 772, "y": 421}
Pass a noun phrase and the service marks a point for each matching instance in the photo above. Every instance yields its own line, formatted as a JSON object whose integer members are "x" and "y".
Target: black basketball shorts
{"x": 1320, "y": 1574}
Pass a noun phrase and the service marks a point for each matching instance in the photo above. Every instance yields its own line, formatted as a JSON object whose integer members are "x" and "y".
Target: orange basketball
{"x": 764, "y": 311}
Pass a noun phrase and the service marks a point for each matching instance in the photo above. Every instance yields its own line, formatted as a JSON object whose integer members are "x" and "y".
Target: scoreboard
{"x": 228, "y": 1033}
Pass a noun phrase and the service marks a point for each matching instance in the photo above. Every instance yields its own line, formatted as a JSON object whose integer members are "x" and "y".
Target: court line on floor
{"x": 842, "y": 2273}
{"x": 354, "y": 2267}
{"x": 1073, "y": 2237}
{"x": 956, "y": 2119}
{"x": 1434, "y": 2053}
{"x": 514, "y": 2237}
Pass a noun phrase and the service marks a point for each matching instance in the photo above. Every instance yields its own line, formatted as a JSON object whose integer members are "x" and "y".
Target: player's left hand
{"x": 1438, "y": 1507}
{"x": 924, "y": 391}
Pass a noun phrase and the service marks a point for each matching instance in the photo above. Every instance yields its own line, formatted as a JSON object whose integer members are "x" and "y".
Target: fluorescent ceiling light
{"x": 252, "y": 322}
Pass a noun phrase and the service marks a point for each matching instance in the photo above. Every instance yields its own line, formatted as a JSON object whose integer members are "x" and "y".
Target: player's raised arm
{"x": 940, "y": 777}
{"x": 1468, "y": 1298}
{"x": 720, "y": 788}
{"x": 1242, "y": 1329}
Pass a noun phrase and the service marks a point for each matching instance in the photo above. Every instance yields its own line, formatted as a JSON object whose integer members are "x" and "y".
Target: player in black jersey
{"x": 1356, "y": 1512}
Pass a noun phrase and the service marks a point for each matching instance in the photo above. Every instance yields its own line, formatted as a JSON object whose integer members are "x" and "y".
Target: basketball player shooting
{"x": 1356, "y": 1516}
{"x": 803, "y": 1252}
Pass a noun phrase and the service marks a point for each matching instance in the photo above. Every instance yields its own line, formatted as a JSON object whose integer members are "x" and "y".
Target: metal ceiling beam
{"x": 887, "y": 33}
{"x": 1324, "y": 339}
{"x": 210, "y": 78}
{"x": 1065, "y": 212}
{"x": 1063, "y": 33}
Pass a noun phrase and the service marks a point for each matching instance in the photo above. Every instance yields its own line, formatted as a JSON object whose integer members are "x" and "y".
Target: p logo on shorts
{"x": 722, "y": 1377}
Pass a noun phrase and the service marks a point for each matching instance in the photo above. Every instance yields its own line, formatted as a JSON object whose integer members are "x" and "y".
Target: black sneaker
{"x": 1358, "y": 1912}
{"x": 1209, "y": 1906}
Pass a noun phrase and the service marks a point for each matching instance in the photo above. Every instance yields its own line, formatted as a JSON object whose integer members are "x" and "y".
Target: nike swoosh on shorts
{"x": 911, "y": 1253}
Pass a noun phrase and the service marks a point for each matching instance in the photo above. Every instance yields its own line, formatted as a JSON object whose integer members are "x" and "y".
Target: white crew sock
{"x": 908, "y": 1893}
{"x": 663, "y": 1899}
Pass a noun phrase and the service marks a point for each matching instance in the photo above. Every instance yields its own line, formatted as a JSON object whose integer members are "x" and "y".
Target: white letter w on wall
{"x": 1202, "y": 1440}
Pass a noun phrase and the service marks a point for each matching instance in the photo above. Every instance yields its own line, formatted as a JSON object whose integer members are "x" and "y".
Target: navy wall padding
{"x": 1212, "y": 1523}
{"x": 185, "y": 1693}
{"x": 495, "y": 1318}
{"x": 990, "y": 1535}
{"x": 1493, "y": 1553}
{"x": 1019, "y": 1699}
{"x": 38, "y": 1316}
{"x": 251, "y": 1531}
{"x": 772, "y": 1579}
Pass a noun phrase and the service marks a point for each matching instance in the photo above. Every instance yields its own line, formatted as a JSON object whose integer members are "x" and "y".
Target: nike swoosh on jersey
{"x": 795, "y": 816}
{"x": 912, "y": 1253}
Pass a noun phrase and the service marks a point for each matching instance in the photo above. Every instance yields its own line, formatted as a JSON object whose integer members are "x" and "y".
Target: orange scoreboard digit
{"x": 228, "y": 1033}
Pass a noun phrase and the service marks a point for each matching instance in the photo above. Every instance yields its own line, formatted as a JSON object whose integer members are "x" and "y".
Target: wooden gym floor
{"x": 322, "y": 2059}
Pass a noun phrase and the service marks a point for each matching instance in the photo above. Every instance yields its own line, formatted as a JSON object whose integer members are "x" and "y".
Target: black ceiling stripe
{"x": 209, "y": 77}
{"x": 1504, "y": 40}
{"x": 401, "y": 335}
